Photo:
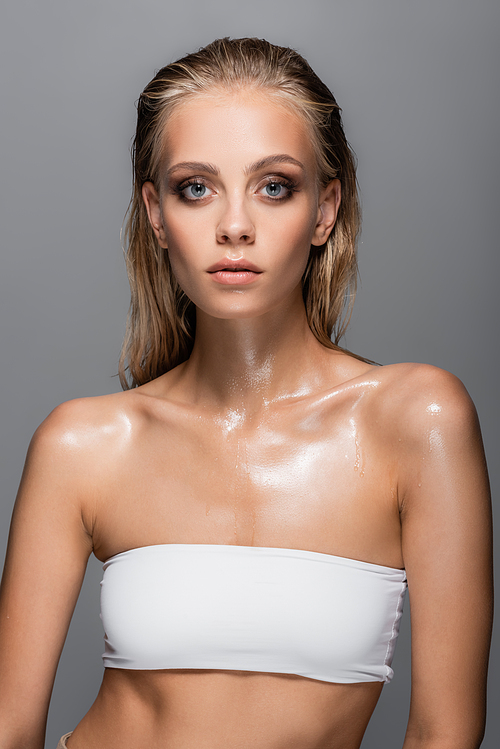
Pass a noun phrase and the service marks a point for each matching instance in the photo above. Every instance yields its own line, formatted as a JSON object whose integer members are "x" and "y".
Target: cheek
{"x": 181, "y": 242}
{"x": 181, "y": 268}
{"x": 292, "y": 241}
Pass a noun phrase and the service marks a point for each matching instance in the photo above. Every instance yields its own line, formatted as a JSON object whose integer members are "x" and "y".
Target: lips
{"x": 234, "y": 272}
{"x": 226, "y": 264}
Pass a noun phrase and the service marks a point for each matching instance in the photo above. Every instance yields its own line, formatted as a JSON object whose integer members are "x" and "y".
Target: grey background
{"x": 418, "y": 85}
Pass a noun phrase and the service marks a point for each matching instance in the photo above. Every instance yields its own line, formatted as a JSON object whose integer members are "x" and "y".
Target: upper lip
{"x": 228, "y": 264}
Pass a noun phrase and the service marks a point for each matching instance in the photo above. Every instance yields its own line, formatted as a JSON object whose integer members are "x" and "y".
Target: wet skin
{"x": 263, "y": 437}
{"x": 300, "y": 473}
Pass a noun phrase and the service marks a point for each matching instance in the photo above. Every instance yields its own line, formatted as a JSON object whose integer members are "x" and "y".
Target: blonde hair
{"x": 162, "y": 319}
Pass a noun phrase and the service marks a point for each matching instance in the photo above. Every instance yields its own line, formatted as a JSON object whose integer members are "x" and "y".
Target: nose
{"x": 235, "y": 225}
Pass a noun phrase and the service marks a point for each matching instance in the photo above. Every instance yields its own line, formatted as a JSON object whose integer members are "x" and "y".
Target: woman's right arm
{"x": 49, "y": 545}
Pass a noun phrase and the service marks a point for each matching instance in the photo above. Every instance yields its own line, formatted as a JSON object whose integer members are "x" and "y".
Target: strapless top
{"x": 272, "y": 610}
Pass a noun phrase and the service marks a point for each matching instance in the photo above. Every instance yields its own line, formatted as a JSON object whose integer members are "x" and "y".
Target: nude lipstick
{"x": 234, "y": 272}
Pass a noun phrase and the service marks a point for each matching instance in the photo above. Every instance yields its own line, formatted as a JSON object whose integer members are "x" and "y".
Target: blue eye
{"x": 195, "y": 190}
{"x": 278, "y": 189}
{"x": 274, "y": 189}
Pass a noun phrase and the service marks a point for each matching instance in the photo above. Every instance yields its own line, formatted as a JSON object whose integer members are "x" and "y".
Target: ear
{"x": 328, "y": 206}
{"x": 152, "y": 203}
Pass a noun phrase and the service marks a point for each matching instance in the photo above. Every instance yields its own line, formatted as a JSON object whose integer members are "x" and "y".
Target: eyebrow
{"x": 200, "y": 166}
{"x": 279, "y": 158}
{"x": 193, "y": 166}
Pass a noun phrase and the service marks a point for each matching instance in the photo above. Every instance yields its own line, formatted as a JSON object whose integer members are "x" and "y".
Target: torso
{"x": 319, "y": 473}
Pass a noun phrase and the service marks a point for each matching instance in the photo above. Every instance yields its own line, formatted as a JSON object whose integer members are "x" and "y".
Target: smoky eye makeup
{"x": 273, "y": 188}
{"x": 277, "y": 188}
{"x": 191, "y": 190}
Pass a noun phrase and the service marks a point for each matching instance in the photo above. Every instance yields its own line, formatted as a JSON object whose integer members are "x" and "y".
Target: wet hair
{"x": 162, "y": 319}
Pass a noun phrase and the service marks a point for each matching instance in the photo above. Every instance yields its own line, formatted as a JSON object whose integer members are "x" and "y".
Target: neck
{"x": 247, "y": 364}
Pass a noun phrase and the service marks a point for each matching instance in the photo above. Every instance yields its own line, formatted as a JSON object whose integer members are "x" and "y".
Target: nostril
{"x": 234, "y": 237}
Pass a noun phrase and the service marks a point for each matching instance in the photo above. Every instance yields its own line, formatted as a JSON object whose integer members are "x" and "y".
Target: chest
{"x": 302, "y": 478}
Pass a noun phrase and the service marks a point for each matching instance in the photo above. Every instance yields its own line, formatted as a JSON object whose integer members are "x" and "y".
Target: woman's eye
{"x": 195, "y": 191}
{"x": 276, "y": 190}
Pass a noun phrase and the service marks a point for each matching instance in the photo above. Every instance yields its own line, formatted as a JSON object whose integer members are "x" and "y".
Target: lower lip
{"x": 234, "y": 278}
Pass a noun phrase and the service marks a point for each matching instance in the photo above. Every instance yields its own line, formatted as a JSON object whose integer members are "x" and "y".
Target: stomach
{"x": 190, "y": 709}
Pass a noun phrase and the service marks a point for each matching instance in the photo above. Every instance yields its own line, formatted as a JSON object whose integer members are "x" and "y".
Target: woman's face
{"x": 239, "y": 204}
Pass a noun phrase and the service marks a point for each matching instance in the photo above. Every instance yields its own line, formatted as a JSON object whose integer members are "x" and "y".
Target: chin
{"x": 243, "y": 312}
{"x": 236, "y": 305}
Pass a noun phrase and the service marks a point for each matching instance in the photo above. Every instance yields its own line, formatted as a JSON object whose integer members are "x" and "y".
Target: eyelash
{"x": 179, "y": 189}
{"x": 288, "y": 184}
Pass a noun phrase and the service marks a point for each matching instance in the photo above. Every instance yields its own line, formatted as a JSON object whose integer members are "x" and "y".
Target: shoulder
{"x": 76, "y": 421}
{"x": 79, "y": 453}
{"x": 421, "y": 416}
{"x": 102, "y": 427}
{"x": 415, "y": 397}
{"x": 86, "y": 428}
{"x": 409, "y": 394}
{"x": 433, "y": 434}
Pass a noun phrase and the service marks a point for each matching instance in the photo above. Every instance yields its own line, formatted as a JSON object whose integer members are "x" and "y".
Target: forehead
{"x": 235, "y": 129}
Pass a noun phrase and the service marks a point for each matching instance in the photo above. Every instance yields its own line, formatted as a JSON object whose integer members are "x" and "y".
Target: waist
{"x": 217, "y": 708}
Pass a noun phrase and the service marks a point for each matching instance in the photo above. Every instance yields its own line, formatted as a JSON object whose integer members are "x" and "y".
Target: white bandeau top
{"x": 248, "y": 608}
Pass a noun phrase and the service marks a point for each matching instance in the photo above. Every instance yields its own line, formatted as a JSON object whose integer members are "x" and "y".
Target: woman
{"x": 260, "y": 498}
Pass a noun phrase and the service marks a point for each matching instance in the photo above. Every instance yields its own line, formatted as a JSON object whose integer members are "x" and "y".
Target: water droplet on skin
{"x": 357, "y": 462}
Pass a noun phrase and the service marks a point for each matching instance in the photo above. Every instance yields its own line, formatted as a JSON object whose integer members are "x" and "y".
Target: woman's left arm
{"x": 447, "y": 549}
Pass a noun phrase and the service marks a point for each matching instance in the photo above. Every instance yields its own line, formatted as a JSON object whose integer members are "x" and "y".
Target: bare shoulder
{"x": 82, "y": 422}
{"x": 82, "y": 436}
{"x": 433, "y": 432}
{"x": 416, "y": 397}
